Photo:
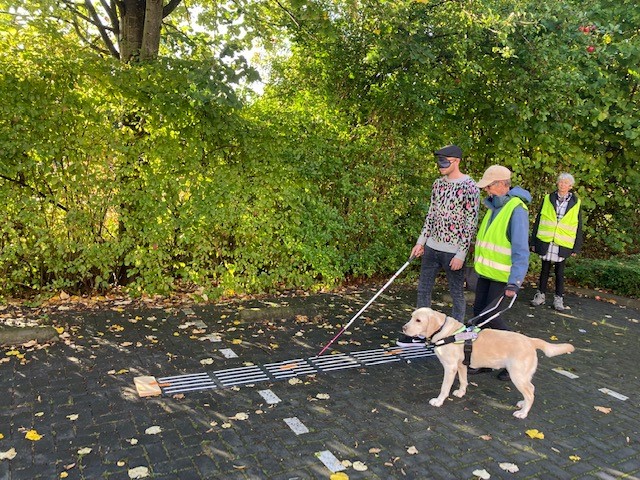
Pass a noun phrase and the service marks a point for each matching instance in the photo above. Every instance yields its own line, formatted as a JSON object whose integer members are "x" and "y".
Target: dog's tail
{"x": 552, "y": 349}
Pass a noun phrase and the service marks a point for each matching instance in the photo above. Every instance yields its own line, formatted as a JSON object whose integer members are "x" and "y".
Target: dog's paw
{"x": 459, "y": 393}
{"x": 436, "y": 402}
{"x": 520, "y": 414}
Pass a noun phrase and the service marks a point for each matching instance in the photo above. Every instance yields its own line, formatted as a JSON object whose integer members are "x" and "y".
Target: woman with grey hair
{"x": 556, "y": 235}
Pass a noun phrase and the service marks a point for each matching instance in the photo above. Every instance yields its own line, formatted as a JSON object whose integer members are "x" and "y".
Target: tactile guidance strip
{"x": 287, "y": 369}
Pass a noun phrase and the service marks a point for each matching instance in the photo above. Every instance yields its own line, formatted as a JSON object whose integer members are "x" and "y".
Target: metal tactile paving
{"x": 186, "y": 383}
{"x": 240, "y": 376}
{"x": 291, "y": 368}
{"x": 337, "y": 361}
{"x": 412, "y": 352}
{"x": 376, "y": 357}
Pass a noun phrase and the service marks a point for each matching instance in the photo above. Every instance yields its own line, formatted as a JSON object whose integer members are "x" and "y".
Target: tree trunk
{"x": 151, "y": 30}
{"x": 132, "y": 21}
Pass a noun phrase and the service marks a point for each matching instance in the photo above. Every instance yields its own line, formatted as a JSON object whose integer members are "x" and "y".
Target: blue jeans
{"x": 432, "y": 262}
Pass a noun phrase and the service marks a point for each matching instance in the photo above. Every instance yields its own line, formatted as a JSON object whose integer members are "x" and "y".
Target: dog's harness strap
{"x": 464, "y": 334}
{"x": 468, "y": 346}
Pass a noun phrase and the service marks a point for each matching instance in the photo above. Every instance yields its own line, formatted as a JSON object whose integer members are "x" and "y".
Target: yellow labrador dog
{"x": 492, "y": 349}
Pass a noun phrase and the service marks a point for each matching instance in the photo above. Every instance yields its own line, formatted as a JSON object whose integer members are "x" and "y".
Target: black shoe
{"x": 475, "y": 371}
{"x": 406, "y": 341}
{"x": 503, "y": 375}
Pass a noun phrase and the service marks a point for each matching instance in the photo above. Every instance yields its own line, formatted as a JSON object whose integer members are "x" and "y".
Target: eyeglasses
{"x": 495, "y": 182}
{"x": 444, "y": 162}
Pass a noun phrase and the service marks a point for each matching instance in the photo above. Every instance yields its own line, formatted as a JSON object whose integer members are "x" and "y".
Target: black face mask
{"x": 443, "y": 162}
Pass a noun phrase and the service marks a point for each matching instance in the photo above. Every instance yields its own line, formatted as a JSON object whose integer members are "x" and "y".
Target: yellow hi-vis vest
{"x": 561, "y": 232}
{"x": 493, "y": 248}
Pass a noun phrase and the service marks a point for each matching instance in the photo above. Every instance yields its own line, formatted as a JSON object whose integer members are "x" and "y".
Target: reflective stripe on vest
{"x": 493, "y": 248}
{"x": 563, "y": 232}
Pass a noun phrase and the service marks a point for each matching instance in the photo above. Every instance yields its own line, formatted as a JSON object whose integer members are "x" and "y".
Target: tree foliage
{"x": 158, "y": 174}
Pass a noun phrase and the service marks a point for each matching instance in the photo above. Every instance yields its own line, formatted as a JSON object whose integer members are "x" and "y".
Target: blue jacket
{"x": 517, "y": 232}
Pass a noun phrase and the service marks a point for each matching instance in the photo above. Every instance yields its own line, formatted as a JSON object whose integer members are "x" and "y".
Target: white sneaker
{"x": 539, "y": 299}
{"x": 406, "y": 341}
{"x": 558, "y": 303}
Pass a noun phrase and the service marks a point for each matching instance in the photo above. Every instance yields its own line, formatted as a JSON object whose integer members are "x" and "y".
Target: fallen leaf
{"x": 226, "y": 425}
{"x": 486, "y": 437}
{"x": 374, "y": 450}
{"x": 73, "y": 417}
{"x": 8, "y": 455}
{"x": 360, "y": 467}
{"x": 553, "y": 337}
{"x": 64, "y": 474}
{"x": 84, "y": 451}
{"x": 509, "y": 467}
{"x": 32, "y": 435}
{"x": 323, "y": 396}
{"x": 600, "y": 409}
{"x": 339, "y": 476}
{"x": 206, "y": 361}
{"x": 153, "y": 430}
{"x": 121, "y": 463}
{"x": 574, "y": 458}
{"x": 236, "y": 341}
{"x": 1, "y": 436}
{"x": 533, "y": 433}
{"x": 139, "y": 472}
{"x": 412, "y": 450}
{"x": 133, "y": 441}
{"x": 239, "y": 416}
{"x": 294, "y": 381}
{"x": 482, "y": 474}
{"x": 59, "y": 329}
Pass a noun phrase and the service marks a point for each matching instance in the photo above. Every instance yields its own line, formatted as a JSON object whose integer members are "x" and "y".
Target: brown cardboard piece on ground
{"x": 147, "y": 386}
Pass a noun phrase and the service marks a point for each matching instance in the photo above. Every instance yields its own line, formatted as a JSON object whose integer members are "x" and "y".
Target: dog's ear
{"x": 429, "y": 319}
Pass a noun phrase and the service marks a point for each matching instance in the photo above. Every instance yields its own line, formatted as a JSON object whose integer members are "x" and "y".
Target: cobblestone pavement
{"x": 79, "y": 396}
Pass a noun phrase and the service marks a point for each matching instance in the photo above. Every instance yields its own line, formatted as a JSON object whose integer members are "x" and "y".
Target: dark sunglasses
{"x": 443, "y": 162}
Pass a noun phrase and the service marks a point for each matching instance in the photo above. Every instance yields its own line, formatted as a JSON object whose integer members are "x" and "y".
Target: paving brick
{"x": 384, "y": 406}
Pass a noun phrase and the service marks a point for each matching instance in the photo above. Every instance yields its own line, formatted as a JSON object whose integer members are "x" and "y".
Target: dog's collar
{"x": 446, "y": 319}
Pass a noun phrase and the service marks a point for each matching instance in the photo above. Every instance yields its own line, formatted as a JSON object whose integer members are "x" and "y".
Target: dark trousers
{"x": 487, "y": 292}
{"x": 433, "y": 261}
{"x": 544, "y": 277}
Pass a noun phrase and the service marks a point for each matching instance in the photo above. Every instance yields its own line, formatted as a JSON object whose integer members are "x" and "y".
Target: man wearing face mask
{"x": 447, "y": 234}
{"x": 502, "y": 245}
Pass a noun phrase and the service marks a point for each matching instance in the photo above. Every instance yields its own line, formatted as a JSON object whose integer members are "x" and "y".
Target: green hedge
{"x": 621, "y": 275}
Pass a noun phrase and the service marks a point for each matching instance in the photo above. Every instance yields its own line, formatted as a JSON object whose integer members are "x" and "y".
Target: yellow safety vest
{"x": 493, "y": 248}
{"x": 563, "y": 232}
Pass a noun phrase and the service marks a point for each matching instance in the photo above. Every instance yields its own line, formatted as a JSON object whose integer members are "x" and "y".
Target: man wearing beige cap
{"x": 502, "y": 245}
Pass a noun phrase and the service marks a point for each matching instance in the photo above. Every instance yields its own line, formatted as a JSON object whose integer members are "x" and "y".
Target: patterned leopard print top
{"x": 452, "y": 220}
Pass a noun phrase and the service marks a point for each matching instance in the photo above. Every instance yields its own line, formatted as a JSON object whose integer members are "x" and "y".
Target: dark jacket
{"x": 540, "y": 247}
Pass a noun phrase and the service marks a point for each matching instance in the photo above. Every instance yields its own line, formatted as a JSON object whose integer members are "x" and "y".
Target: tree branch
{"x": 289, "y": 14}
{"x": 170, "y": 7}
{"x": 92, "y": 45}
{"x": 101, "y": 28}
{"x": 39, "y": 194}
{"x": 111, "y": 10}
